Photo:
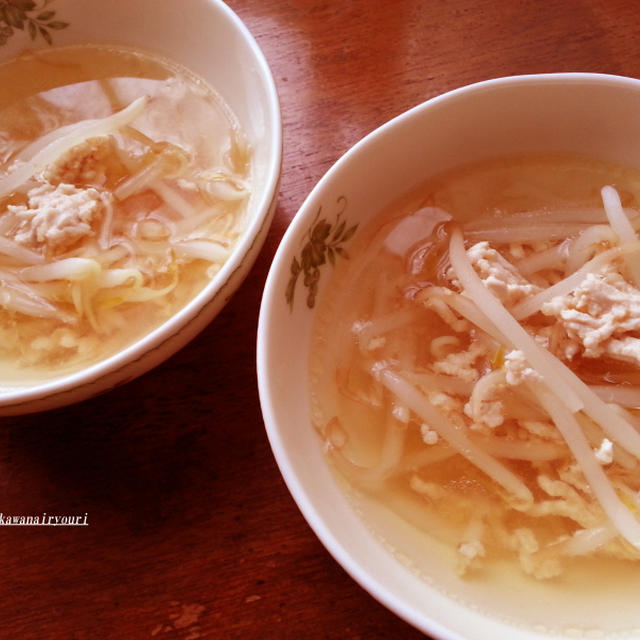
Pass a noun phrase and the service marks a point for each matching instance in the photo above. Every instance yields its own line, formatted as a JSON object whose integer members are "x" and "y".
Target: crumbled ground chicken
{"x": 517, "y": 368}
{"x": 56, "y": 217}
{"x": 85, "y": 164}
{"x": 463, "y": 364}
{"x": 598, "y": 316}
{"x": 469, "y": 556}
{"x": 499, "y": 275}
{"x": 489, "y": 413}
{"x": 604, "y": 453}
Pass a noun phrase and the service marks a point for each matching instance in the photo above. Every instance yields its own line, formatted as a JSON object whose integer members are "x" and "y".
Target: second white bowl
{"x": 587, "y": 114}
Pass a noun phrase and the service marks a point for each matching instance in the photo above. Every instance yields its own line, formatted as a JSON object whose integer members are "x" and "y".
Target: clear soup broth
{"x": 124, "y": 181}
{"x": 477, "y": 393}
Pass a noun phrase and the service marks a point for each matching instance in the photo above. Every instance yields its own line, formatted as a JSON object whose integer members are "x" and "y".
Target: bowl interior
{"x": 208, "y": 38}
{"x": 588, "y": 114}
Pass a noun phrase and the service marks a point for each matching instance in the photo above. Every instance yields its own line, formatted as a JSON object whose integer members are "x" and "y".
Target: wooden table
{"x": 192, "y": 533}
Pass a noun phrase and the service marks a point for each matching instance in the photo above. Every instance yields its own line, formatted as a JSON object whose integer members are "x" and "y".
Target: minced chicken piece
{"x": 469, "y": 554}
{"x": 84, "y": 164}
{"x": 401, "y": 413}
{"x": 463, "y": 364}
{"x": 627, "y": 349}
{"x": 532, "y": 561}
{"x": 604, "y": 454}
{"x": 517, "y": 368}
{"x": 499, "y": 275}
{"x": 487, "y": 413}
{"x": 565, "y": 502}
{"x": 56, "y": 217}
{"x": 429, "y": 436}
{"x": 599, "y": 314}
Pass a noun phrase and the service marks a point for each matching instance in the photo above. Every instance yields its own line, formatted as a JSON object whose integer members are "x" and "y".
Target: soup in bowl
{"x": 446, "y": 360}
{"x": 137, "y": 181}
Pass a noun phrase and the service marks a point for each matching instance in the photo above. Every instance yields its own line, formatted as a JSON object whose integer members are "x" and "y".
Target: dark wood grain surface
{"x": 192, "y": 534}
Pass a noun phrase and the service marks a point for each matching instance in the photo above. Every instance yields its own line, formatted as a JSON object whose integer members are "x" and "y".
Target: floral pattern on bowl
{"x": 34, "y": 18}
{"x": 324, "y": 243}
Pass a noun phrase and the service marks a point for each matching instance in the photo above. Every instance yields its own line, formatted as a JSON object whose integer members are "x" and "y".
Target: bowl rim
{"x": 112, "y": 371}
{"x": 330, "y": 540}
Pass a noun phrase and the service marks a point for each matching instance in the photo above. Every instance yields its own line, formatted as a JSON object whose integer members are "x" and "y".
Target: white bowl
{"x": 208, "y": 38}
{"x": 591, "y": 114}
